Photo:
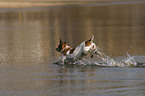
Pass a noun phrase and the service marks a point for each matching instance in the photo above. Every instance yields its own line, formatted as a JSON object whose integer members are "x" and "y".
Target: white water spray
{"x": 107, "y": 61}
{"x": 104, "y": 61}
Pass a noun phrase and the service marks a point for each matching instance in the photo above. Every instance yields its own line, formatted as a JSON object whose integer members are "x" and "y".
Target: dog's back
{"x": 79, "y": 52}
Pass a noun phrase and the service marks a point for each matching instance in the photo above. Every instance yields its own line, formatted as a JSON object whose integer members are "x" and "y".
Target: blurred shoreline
{"x": 39, "y": 3}
{"x": 4, "y": 4}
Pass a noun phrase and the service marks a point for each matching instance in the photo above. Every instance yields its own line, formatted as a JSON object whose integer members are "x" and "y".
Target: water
{"x": 29, "y": 38}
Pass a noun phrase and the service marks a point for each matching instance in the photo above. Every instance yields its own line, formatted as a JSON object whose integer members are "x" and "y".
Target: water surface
{"x": 29, "y": 38}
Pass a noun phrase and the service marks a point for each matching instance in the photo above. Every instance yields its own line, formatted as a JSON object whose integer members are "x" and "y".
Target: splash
{"x": 107, "y": 61}
{"x": 103, "y": 60}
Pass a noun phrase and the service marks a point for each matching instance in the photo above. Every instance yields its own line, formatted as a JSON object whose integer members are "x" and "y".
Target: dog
{"x": 74, "y": 54}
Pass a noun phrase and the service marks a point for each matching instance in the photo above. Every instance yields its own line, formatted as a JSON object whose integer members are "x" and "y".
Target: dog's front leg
{"x": 62, "y": 58}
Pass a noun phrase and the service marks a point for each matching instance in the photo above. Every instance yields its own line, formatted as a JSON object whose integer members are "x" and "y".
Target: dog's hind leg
{"x": 91, "y": 54}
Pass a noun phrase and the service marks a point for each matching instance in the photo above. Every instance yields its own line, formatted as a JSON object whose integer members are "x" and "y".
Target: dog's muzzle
{"x": 58, "y": 50}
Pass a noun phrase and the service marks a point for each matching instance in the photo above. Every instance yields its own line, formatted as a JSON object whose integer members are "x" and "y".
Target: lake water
{"x": 29, "y": 36}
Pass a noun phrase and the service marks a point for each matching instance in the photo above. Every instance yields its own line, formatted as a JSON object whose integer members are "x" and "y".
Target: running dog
{"x": 72, "y": 54}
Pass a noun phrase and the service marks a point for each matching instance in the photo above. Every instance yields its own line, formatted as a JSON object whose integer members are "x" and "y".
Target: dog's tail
{"x": 92, "y": 38}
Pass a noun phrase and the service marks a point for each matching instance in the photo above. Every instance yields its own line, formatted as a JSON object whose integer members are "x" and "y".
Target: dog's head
{"x": 61, "y": 46}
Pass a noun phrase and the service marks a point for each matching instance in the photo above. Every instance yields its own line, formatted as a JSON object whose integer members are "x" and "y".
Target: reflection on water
{"x": 29, "y": 37}
{"x": 43, "y": 80}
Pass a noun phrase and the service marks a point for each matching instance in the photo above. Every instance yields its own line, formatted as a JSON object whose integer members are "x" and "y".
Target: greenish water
{"x": 29, "y": 37}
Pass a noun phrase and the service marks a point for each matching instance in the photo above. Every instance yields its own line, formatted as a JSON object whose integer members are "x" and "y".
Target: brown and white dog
{"x": 72, "y": 54}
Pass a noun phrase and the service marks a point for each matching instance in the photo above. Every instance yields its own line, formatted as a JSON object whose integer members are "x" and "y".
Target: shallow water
{"x": 29, "y": 38}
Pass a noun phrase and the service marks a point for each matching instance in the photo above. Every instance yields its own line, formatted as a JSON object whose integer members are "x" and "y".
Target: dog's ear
{"x": 61, "y": 41}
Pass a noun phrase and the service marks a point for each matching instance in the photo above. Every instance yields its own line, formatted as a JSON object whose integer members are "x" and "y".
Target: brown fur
{"x": 64, "y": 45}
{"x": 65, "y": 50}
{"x": 88, "y": 43}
